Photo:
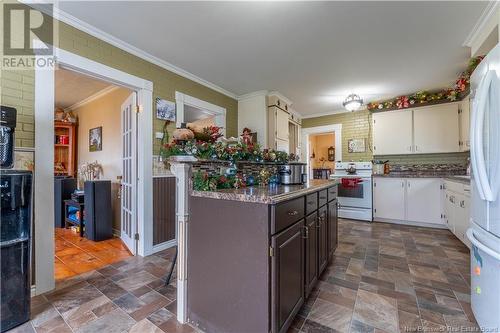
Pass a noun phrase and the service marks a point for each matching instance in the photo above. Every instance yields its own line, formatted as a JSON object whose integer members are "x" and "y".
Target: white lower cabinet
{"x": 457, "y": 210}
{"x": 408, "y": 200}
{"x": 389, "y": 198}
{"x": 424, "y": 200}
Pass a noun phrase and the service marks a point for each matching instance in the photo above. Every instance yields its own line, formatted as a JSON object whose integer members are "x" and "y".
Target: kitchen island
{"x": 256, "y": 253}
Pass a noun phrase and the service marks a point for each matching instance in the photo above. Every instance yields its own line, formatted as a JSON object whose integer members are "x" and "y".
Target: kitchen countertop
{"x": 410, "y": 174}
{"x": 268, "y": 194}
{"x": 459, "y": 179}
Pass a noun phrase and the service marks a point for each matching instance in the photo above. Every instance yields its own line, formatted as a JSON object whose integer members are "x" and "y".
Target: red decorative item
{"x": 461, "y": 84}
{"x": 403, "y": 102}
{"x": 351, "y": 182}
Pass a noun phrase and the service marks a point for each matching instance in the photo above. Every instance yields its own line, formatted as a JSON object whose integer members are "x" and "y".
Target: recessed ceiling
{"x": 315, "y": 53}
{"x": 72, "y": 87}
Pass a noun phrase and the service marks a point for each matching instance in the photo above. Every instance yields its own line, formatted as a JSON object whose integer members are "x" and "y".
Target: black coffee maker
{"x": 15, "y": 230}
{"x": 8, "y": 117}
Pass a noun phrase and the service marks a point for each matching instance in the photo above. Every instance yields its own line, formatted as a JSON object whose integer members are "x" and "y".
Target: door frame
{"x": 44, "y": 157}
{"x": 308, "y": 131}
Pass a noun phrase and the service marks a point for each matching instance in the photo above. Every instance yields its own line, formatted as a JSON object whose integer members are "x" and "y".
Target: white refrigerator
{"x": 484, "y": 233}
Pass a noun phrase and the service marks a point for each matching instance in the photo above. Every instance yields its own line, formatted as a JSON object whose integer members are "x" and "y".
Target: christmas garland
{"x": 450, "y": 94}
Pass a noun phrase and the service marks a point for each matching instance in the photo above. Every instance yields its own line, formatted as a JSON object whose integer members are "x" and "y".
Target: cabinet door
{"x": 311, "y": 241}
{"x": 465, "y": 124}
{"x": 281, "y": 125}
{"x": 389, "y": 198}
{"x": 392, "y": 132}
{"x": 288, "y": 271}
{"x": 322, "y": 239}
{"x": 449, "y": 210}
{"x": 436, "y": 129}
{"x": 332, "y": 227}
{"x": 462, "y": 218}
{"x": 424, "y": 200}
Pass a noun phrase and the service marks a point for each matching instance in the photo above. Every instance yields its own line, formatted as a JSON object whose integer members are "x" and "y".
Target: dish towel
{"x": 351, "y": 182}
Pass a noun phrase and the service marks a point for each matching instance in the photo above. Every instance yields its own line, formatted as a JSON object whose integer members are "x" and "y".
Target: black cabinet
{"x": 332, "y": 226}
{"x": 311, "y": 248}
{"x": 287, "y": 276}
{"x": 98, "y": 224}
{"x": 322, "y": 239}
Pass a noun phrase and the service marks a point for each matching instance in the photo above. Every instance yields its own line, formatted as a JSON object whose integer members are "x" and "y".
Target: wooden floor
{"x": 76, "y": 255}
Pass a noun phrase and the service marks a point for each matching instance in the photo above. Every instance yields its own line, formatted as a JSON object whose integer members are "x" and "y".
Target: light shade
{"x": 352, "y": 102}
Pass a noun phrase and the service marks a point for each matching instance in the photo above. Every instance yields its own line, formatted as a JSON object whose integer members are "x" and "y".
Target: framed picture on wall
{"x": 95, "y": 139}
{"x": 356, "y": 145}
{"x": 165, "y": 110}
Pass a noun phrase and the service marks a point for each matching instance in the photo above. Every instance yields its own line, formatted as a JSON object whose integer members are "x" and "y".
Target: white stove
{"x": 355, "y": 198}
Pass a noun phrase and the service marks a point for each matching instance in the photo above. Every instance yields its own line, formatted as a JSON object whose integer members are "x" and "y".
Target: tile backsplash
{"x": 426, "y": 159}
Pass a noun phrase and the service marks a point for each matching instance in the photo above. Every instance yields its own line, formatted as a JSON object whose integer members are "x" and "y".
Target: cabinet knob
{"x": 292, "y": 213}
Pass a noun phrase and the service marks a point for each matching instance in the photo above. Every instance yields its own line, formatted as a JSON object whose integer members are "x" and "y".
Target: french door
{"x": 129, "y": 173}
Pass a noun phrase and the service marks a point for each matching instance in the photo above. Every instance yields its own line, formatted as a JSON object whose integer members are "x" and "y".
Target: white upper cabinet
{"x": 389, "y": 198}
{"x": 465, "y": 124}
{"x": 422, "y": 130}
{"x": 424, "y": 200}
{"x": 392, "y": 132}
{"x": 436, "y": 129}
{"x": 281, "y": 124}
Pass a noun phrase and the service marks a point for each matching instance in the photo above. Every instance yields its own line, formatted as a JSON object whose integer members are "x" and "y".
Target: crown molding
{"x": 325, "y": 113}
{"x": 481, "y": 22}
{"x": 281, "y": 96}
{"x": 91, "y": 98}
{"x": 258, "y": 93}
{"x": 69, "y": 19}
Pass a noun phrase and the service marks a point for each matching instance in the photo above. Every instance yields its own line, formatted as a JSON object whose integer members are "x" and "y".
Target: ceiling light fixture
{"x": 352, "y": 102}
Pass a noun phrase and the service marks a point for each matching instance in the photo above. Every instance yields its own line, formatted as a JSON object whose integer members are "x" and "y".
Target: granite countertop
{"x": 268, "y": 194}
{"x": 424, "y": 174}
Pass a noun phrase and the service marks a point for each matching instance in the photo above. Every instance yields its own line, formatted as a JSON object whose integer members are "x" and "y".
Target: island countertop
{"x": 267, "y": 194}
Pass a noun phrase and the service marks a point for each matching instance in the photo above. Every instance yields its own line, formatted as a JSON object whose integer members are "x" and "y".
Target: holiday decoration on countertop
{"x": 459, "y": 90}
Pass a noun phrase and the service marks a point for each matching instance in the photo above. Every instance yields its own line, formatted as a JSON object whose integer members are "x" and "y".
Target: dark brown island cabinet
{"x": 252, "y": 263}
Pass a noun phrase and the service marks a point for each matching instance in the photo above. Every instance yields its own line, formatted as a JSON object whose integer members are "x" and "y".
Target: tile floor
{"x": 383, "y": 278}
{"x": 76, "y": 255}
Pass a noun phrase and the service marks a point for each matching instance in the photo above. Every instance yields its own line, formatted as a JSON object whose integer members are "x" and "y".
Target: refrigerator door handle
{"x": 481, "y": 246}
{"x": 477, "y": 128}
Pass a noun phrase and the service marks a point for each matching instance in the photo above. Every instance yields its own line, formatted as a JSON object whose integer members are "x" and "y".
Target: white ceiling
{"x": 315, "y": 53}
{"x": 72, "y": 87}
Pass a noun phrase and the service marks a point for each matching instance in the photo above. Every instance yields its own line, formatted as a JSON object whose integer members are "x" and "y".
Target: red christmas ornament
{"x": 403, "y": 102}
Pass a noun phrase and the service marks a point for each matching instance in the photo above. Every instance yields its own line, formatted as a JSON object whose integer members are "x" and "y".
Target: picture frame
{"x": 95, "y": 139}
{"x": 165, "y": 110}
{"x": 356, "y": 145}
{"x": 331, "y": 154}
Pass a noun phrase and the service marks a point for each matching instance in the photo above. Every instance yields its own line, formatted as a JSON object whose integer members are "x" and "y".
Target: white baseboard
{"x": 411, "y": 223}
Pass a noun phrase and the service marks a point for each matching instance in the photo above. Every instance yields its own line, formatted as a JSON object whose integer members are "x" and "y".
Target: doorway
{"x": 45, "y": 153}
{"x": 94, "y": 139}
{"x": 199, "y": 113}
{"x": 323, "y": 147}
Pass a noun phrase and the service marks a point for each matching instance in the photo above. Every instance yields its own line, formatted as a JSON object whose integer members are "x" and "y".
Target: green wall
{"x": 18, "y": 86}
{"x": 357, "y": 125}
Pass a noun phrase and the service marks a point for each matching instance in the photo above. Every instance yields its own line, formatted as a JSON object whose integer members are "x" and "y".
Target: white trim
{"x": 253, "y": 94}
{"x": 328, "y": 113}
{"x": 91, "y": 98}
{"x": 69, "y": 19}
{"x": 182, "y": 99}
{"x": 164, "y": 246}
{"x": 481, "y": 23}
{"x": 281, "y": 96}
{"x": 306, "y": 132}
{"x": 43, "y": 189}
{"x": 44, "y": 173}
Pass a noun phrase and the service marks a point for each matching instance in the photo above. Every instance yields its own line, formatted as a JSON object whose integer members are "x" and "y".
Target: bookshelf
{"x": 65, "y": 148}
